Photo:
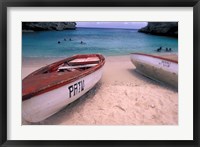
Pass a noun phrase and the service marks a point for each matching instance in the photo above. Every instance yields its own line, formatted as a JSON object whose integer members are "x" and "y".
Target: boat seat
{"x": 75, "y": 67}
{"x": 83, "y": 61}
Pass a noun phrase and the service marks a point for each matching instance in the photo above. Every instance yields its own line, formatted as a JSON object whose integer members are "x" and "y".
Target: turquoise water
{"x": 108, "y": 42}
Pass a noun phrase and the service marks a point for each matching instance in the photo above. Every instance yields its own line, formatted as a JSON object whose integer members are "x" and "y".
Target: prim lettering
{"x": 76, "y": 88}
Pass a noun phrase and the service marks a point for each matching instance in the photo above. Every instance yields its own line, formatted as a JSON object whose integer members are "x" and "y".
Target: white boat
{"x": 49, "y": 89}
{"x": 157, "y": 68}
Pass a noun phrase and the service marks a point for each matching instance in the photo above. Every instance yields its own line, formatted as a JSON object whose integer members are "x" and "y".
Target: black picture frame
{"x": 4, "y": 4}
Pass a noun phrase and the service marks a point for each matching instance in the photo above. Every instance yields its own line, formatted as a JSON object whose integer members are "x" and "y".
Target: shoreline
{"x": 122, "y": 97}
{"x": 48, "y": 60}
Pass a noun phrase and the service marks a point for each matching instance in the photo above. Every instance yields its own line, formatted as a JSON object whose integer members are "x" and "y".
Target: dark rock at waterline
{"x": 161, "y": 28}
{"x": 45, "y": 26}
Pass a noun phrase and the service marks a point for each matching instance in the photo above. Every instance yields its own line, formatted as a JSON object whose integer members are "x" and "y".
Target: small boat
{"x": 50, "y": 88}
{"x": 157, "y": 68}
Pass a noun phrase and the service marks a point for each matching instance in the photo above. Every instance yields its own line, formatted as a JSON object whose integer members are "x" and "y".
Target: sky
{"x": 126, "y": 25}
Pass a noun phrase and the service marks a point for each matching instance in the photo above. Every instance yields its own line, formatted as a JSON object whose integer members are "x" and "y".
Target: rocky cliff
{"x": 44, "y": 26}
{"x": 161, "y": 28}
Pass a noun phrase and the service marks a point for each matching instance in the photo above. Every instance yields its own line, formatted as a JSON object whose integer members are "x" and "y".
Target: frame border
{"x": 97, "y": 3}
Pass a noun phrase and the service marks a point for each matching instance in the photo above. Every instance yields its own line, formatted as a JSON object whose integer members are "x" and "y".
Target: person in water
{"x": 58, "y": 42}
{"x": 159, "y": 49}
{"x": 70, "y": 39}
{"x": 83, "y": 42}
{"x": 168, "y": 50}
{"x": 64, "y": 39}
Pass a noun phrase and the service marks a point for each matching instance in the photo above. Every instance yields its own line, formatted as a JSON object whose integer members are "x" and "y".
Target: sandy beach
{"x": 122, "y": 97}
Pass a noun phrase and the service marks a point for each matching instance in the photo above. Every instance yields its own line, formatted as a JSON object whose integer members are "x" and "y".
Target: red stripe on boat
{"x": 156, "y": 57}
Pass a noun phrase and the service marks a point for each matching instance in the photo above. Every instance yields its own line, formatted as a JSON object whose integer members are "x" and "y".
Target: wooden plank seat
{"x": 83, "y": 61}
{"x": 75, "y": 67}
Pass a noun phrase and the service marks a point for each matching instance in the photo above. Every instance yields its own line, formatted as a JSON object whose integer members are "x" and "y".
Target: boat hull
{"x": 46, "y": 104}
{"x": 158, "y": 69}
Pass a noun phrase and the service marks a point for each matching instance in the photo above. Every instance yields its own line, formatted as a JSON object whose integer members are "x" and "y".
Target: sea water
{"x": 109, "y": 42}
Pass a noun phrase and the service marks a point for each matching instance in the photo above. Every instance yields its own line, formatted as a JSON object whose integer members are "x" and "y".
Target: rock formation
{"x": 161, "y": 28}
{"x": 44, "y": 26}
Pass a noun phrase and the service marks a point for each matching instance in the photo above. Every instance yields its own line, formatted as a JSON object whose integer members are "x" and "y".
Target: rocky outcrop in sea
{"x": 45, "y": 26}
{"x": 161, "y": 28}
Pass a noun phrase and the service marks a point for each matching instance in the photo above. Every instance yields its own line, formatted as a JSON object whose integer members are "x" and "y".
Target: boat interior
{"x": 74, "y": 64}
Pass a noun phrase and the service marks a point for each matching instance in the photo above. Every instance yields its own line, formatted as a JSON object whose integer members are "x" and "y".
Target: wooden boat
{"x": 49, "y": 89}
{"x": 156, "y": 68}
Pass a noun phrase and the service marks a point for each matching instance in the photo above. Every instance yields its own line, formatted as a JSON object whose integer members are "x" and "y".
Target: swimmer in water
{"x": 159, "y": 49}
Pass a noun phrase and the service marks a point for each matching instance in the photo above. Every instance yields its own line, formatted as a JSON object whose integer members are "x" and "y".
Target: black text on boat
{"x": 165, "y": 63}
{"x": 76, "y": 88}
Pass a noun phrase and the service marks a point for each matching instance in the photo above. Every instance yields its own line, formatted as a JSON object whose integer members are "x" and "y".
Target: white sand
{"x": 122, "y": 97}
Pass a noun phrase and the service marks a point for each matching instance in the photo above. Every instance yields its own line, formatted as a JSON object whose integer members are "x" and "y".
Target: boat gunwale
{"x": 154, "y": 56}
{"x": 57, "y": 85}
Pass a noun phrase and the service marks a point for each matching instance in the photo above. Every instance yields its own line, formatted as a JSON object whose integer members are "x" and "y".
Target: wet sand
{"x": 122, "y": 97}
